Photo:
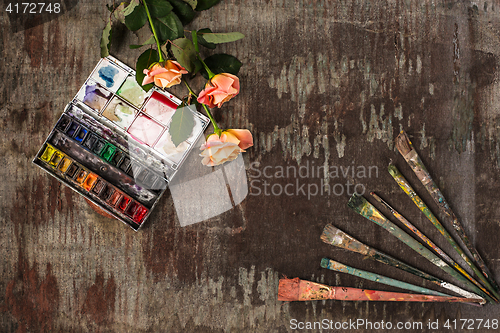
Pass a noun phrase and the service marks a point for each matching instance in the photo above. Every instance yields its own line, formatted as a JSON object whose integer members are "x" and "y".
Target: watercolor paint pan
{"x": 94, "y": 185}
{"x": 105, "y": 170}
{"x": 93, "y": 150}
{"x": 119, "y": 158}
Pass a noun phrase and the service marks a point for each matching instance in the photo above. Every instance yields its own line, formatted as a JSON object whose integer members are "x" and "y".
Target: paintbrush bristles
{"x": 356, "y": 202}
{"x": 330, "y": 235}
{"x": 288, "y": 289}
{"x": 403, "y": 143}
{"x": 302, "y": 290}
{"x": 336, "y": 237}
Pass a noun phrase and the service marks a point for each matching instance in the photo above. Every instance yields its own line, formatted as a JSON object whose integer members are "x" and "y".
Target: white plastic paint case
{"x": 111, "y": 144}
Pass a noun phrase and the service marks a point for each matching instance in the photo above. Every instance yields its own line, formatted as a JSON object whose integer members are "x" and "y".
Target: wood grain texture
{"x": 324, "y": 83}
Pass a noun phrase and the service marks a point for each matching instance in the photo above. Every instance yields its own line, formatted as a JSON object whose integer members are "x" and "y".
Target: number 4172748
{"x": 33, "y": 8}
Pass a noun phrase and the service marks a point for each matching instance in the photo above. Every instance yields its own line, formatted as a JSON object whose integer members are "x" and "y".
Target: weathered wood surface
{"x": 324, "y": 83}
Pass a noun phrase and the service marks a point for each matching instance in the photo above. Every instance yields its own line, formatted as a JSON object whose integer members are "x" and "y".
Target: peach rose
{"x": 227, "y": 147}
{"x": 221, "y": 88}
{"x": 242, "y": 137}
{"x": 164, "y": 75}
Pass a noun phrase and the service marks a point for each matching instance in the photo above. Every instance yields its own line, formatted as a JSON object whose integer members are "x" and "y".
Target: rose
{"x": 164, "y": 75}
{"x": 218, "y": 150}
{"x": 221, "y": 88}
{"x": 242, "y": 137}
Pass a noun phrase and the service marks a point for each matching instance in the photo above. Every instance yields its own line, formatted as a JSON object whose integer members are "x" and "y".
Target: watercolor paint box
{"x": 112, "y": 143}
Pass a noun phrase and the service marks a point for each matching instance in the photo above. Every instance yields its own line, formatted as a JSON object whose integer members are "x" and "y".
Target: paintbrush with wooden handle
{"x": 336, "y": 237}
{"x": 405, "y": 147}
{"x": 339, "y": 267}
{"x": 406, "y": 187}
{"x": 301, "y": 290}
{"x": 427, "y": 241}
{"x": 361, "y": 206}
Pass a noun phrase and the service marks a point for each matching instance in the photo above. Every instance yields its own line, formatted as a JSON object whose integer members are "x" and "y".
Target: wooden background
{"x": 324, "y": 83}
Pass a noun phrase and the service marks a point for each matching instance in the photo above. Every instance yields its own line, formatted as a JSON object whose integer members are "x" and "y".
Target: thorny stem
{"x": 217, "y": 130}
{"x": 160, "y": 55}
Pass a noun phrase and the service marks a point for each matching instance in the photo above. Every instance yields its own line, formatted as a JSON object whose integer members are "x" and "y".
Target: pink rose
{"x": 221, "y": 88}
{"x": 227, "y": 147}
{"x": 164, "y": 75}
{"x": 242, "y": 137}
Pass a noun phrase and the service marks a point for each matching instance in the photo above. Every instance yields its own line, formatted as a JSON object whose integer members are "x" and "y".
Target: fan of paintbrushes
{"x": 485, "y": 290}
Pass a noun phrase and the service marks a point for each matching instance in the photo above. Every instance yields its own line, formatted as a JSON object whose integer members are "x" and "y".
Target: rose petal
{"x": 244, "y": 136}
{"x": 147, "y": 80}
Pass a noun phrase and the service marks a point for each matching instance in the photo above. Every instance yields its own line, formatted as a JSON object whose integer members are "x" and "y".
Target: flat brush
{"x": 339, "y": 267}
{"x": 290, "y": 290}
{"x": 406, "y": 149}
{"x": 367, "y": 210}
{"x": 427, "y": 241}
{"x": 406, "y": 187}
{"x": 336, "y": 237}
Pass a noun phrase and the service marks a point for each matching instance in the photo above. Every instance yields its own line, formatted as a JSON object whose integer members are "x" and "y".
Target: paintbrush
{"x": 367, "y": 210}
{"x": 431, "y": 244}
{"x": 334, "y": 236}
{"x": 339, "y": 267}
{"x": 290, "y": 290}
{"x": 406, "y": 149}
{"x": 406, "y": 187}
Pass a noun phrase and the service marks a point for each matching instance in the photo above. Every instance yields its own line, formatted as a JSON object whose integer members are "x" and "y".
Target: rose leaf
{"x": 159, "y": 8}
{"x": 220, "y": 37}
{"x": 192, "y": 3}
{"x": 182, "y": 125}
{"x": 118, "y": 12}
{"x": 206, "y": 4}
{"x": 151, "y": 41}
{"x": 106, "y": 40}
{"x": 168, "y": 27}
{"x": 183, "y": 11}
{"x": 137, "y": 18}
{"x": 144, "y": 62}
{"x": 184, "y": 52}
{"x": 201, "y": 38}
{"x": 222, "y": 63}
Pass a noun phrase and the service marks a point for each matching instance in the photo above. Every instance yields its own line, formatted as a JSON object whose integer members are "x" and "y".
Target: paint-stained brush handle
{"x": 339, "y": 267}
{"x": 430, "y": 243}
{"x": 336, "y": 237}
{"x": 302, "y": 290}
{"x": 360, "y": 205}
{"x": 406, "y": 187}
{"x": 411, "y": 156}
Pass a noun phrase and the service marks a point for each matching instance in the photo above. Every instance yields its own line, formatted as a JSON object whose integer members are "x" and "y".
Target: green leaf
{"x": 182, "y": 125}
{"x": 183, "y": 11}
{"x": 168, "y": 27}
{"x": 221, "y": 37}
{"x": 222, "y": 63}
{"x": 131, "y": 7}
{"x": 206, "y": 4}
{"x": 184, "y": 52}
{"x": 151, "y": 41}
{"x": 106, "y": 40}
{"x": 159, "y": 8}
{"x": 192, "y": 3}
{"x": 144, "y": 62}
{"x": 201, "y": 38}
{"x": 137, "y": 18}
{"x": 119, "y": 13}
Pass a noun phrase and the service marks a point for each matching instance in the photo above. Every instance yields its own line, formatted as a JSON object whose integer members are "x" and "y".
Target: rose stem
{"x": 154, "y": 32}
{"x": 194, "y": 35}
{"x": 217, "y": 130}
